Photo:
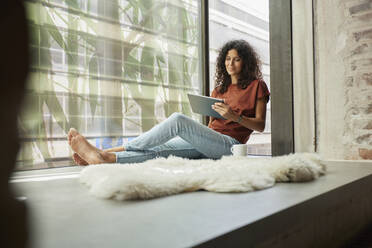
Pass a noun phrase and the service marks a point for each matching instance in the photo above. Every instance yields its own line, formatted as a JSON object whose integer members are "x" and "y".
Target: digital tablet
{"x": 203, "y": 105}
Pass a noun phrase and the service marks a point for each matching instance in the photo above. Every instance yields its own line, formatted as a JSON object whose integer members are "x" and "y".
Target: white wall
{"x": 343, "y": 53}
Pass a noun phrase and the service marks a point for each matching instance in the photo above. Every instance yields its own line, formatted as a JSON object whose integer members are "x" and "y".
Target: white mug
{"x": 239, "y": 150}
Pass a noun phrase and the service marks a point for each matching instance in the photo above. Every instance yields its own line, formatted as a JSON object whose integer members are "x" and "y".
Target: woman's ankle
{"x": 108, "y": 157}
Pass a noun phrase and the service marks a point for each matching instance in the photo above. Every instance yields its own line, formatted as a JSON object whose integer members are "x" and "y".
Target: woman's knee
{"x": 178, "y": 116}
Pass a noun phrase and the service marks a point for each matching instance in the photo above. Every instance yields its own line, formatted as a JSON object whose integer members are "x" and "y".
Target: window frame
{"x": 281, "y": 77}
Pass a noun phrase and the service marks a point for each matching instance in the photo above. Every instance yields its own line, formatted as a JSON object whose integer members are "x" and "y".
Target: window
{"x": 248, "y": 20}
{"x": 109, "y": 68}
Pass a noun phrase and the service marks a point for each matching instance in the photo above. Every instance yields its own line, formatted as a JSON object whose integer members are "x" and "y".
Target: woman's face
{"x": 233, "y": 63}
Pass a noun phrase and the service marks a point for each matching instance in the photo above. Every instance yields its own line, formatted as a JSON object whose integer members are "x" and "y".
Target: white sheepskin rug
{"x": 173, "y": 175}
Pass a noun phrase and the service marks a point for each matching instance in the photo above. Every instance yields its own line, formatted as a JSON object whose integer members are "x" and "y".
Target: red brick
{"x": 369, "y": 125}
{"x": 358, "y": 8}
{"x": 365, "y": 153}
{"x": 364, "y": 139}
{"x": 365, "y": 35}
{"x": 359, "y": 50}
{"x": 367, "y": 77}
{"x": 369, "y": 109}
{"x": 365, "y": 18}
{"x": 349, "y": 81}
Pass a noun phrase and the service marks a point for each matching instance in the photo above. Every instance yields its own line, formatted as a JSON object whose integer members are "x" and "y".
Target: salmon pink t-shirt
{"x": 243, "y": 102}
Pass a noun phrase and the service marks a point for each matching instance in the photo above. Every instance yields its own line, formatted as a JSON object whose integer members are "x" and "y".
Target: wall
{"x": 303, "y": 76}
{"x": 343, "y": 78}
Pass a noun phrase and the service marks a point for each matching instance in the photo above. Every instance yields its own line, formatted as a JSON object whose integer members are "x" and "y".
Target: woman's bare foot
{"x": 87, "y": 152}
{"x": 78, "y": 160}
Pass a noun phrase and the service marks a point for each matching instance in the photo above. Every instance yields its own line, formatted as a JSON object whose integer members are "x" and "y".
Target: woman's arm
{"x": 257, "y": 123}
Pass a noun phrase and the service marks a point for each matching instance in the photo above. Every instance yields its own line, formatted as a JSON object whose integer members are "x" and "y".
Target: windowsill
{"x": 63, "y": 208}
{"x": 72, "y": 171}
{"x": 46, "y": 174}
{"x": 69, "y": 170}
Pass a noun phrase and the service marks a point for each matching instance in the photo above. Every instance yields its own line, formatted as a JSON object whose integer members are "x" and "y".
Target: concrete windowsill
{"x": 63, "y": 214}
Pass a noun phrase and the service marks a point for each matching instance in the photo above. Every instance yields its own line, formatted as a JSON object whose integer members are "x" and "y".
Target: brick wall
{"x": 343, "y": 72}
{"x": 358, "y": 79}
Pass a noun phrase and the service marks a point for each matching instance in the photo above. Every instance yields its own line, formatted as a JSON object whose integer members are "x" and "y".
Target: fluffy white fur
{"x": 167, "y": 176}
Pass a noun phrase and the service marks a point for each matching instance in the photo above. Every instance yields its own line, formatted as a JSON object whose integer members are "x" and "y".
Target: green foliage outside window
{"x": 109, "y": 68}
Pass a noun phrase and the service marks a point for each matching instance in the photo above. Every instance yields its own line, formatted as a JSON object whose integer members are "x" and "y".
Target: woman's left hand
{"x": 224, "y": 110}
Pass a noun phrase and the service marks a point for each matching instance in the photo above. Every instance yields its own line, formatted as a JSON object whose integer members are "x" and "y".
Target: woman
{"x": 238, "y": 81}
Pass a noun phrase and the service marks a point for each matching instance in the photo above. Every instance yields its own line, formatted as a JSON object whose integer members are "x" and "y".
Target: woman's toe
{"x": 72, "y": 132}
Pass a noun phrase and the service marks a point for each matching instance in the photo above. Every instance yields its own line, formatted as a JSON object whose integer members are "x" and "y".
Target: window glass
{"x": 248, "y": 20}
{"x": 112, "y": 69}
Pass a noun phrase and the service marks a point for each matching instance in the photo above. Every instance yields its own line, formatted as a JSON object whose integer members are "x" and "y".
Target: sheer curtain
{"x": 109, "y": 68}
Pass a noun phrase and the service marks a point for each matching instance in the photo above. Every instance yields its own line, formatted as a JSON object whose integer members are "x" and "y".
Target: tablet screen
{"x": 203, "y": 105}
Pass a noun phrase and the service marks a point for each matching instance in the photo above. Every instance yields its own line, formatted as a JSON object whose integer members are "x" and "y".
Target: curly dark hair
{"x": 251, "y": 69}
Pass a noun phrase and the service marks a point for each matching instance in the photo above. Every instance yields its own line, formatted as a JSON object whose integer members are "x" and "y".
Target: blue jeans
{"x": 179, "y": 136}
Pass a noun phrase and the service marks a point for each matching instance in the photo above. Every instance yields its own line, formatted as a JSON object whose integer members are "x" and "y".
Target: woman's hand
{"x": 225, "y": 111}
